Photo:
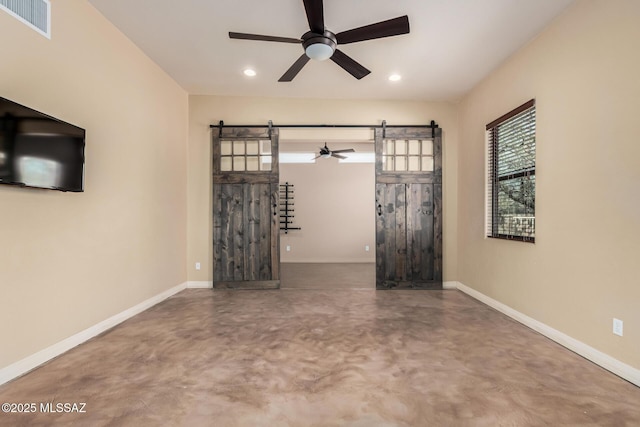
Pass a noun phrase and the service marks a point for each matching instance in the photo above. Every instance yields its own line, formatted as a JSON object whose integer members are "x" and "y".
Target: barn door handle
{"x": 275, "y": 209}
{"x": 379, "y": 209}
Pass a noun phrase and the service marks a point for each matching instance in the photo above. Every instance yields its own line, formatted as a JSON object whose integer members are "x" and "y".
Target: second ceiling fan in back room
{"x": 320, "y": 43}
{"x": 325, "y": 152}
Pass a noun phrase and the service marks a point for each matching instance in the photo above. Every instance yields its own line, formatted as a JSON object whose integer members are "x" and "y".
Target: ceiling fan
{"x": 321, "y": 44}
{"x": 325, "y": 152}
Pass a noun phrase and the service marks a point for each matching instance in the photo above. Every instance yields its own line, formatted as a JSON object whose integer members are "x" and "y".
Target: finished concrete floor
{"x": 324, "y": 358}
{"x": 327, "y": 275}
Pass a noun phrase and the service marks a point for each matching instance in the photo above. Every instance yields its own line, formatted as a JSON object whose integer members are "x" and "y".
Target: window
{"x": 245, "y": 155}
{"x": 413, "y": 155}
{"x": 511, "y": 186}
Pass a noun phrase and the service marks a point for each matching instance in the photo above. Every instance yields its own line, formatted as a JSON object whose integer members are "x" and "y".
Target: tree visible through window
{"x": 512, "y": 175}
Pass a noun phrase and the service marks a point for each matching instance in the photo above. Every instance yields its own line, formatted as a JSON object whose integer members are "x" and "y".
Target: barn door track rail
{"x": 433, "y": 126}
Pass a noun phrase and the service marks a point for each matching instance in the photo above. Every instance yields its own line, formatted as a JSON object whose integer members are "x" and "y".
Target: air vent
{"x": 34, "y": 13}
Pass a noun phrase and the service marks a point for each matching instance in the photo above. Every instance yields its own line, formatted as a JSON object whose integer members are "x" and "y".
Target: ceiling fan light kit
{"x": 321, "y": 44}
{"x": 319, "y": 47}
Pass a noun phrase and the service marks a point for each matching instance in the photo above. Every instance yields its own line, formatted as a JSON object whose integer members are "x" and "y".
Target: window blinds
{"x": 511, "y": 174}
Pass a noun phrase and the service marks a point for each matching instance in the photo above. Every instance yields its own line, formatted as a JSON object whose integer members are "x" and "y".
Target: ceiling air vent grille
{"x": 34, "y": 13}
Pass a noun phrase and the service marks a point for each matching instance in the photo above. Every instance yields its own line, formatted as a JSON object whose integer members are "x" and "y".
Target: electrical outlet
{"x": 288, "y": 248}
{"x": 617, "y": 326}
{"x": 197, "y": 266}
{"x": 366, "y": 248}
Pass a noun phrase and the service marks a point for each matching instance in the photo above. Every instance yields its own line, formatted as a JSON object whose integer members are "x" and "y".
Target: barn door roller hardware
{"x": 433, "y": 127}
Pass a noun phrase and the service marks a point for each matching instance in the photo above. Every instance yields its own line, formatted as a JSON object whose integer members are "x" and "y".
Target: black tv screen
{"x": 37, "y": 150}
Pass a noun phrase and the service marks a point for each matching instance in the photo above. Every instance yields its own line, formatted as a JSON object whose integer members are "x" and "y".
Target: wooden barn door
{"x": 408, "y": 208}
{"x": 246, "y": 246}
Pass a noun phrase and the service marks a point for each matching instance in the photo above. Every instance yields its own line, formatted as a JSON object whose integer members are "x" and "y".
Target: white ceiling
{"x": 453, "y": 44}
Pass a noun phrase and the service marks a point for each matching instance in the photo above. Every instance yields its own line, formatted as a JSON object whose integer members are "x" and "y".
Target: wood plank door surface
{"x": 408, "y": 208}
{"x": 246, "y": 245}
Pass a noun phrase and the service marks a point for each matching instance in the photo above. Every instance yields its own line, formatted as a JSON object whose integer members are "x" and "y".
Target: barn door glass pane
{"x": 238, "y": 164}
{"x": 413, "y": 155}
{"x": 414, "y": 147}
{"x": 225, "y": 164}
{"x": 253, "y": 164}
{"x": 252, "y": 147}
{"x": 401, "y": 163}
{"x": 238, "y": 148}
{"x": 414, "y": 164}
{"x": 427, "y": 147}
{"x": 225, "y": 148}
{"x": 427, "y": 164}
{"x": 245, "y": 155}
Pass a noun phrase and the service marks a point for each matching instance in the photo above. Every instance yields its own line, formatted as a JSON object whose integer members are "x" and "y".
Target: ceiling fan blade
{"x": 245, "y": 36}
{"x": 349, "y": 65}
{"x": 346, "y": 150}
{"x": 315, "y": 15}
{"x": 392, "y": 27}
{"x": 333, "y": 154}
{"x": 294, "y": 69}
{"x": 317, "y": 157}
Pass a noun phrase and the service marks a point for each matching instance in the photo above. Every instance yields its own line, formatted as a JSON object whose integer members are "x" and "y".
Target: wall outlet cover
{"x": 618, "y": 326}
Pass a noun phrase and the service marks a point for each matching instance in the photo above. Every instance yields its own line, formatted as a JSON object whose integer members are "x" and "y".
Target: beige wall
{"x": 583, "y": 269}
{"x": 207, "y": 110}
{"x": 334, "y": 206}
{"x": 71, "y": 260}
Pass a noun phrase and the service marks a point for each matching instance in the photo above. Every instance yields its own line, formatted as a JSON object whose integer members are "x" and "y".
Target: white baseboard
{"x": 609, "y": 363}
{"x": 200, "y": 285}
{"x": 29, "y": 363}
{"x": 449, "y": 285}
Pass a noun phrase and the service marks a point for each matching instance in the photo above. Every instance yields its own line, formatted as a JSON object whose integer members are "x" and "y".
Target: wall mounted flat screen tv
{"x": 37, "y": 150}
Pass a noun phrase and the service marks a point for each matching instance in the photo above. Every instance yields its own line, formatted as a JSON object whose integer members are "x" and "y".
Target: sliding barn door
{"x": 245, "y": 209}
{"x": 408, "y": 208}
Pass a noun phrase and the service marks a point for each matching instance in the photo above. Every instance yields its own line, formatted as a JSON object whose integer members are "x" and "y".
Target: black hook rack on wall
{"x": 286, "y": 207}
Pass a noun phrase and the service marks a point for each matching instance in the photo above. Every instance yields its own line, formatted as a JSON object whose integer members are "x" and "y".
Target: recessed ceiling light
{"x": 249, "y": 72}
{"x": 395, "y": 77}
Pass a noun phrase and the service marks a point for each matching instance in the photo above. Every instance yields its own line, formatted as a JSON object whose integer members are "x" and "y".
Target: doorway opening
{"x": 334, "y": 207}
{"x": 408, "y": 206}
